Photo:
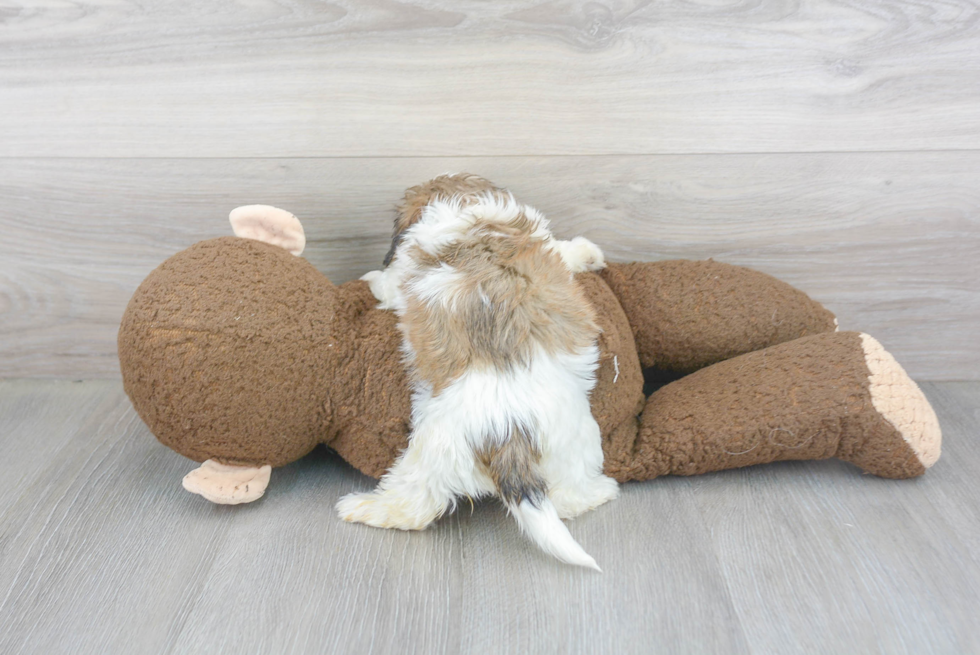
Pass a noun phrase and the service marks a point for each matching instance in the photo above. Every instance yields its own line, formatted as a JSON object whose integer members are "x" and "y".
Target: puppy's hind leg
{"x": 573, "y": 471}
{"x": 416, "y": 491}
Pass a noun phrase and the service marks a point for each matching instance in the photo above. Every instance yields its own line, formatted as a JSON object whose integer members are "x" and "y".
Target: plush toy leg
{"x": 228, "y": 485}
{"x": 686, "y": 315}
{"x": 837, "y": 394}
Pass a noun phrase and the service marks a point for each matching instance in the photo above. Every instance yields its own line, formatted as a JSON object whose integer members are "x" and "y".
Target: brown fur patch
{"x": 514, "y": 296}
{"x": 513, "y": 467}
{"x": 464, "y": 186}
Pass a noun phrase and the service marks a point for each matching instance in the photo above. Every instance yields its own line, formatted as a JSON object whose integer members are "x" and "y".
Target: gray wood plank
{"x": 90, "y": 563}
{"x": 661, "y": 589}
{"x": 108, "y": 522}
{"x": 957, "y": 501}
{"x": 40, "y": 418}
{"x": 101, "y": 551}
{"x": 86, "y": 551}
{"x": 311, "y": 583}
{"x": 815, "y": 553}
{"x": 888, "y": 241}
{"x": 271, "y": 78}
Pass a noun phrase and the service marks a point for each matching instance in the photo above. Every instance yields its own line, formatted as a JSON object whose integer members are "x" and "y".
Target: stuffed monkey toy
{"x": 238, "y": 353}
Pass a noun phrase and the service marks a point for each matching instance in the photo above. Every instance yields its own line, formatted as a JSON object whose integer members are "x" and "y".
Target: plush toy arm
{"x": 829, "y": 395}
{"x": 688, "y": 314}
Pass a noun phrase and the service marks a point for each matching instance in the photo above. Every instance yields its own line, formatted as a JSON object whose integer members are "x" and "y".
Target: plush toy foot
{"x": 382, "y": 510}
{"x": 902, "y": 405}
{"x": 228, "y": 485}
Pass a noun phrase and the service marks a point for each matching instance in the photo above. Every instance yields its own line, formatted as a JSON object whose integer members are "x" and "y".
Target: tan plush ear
{"x": 225, "y": 484}
{"x": 269, "y": 224}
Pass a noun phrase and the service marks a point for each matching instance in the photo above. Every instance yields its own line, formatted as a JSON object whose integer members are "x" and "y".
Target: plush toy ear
{"x": 269, "y": 224}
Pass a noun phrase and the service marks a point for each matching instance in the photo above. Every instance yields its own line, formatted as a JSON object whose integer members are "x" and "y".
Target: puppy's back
{"x": 493, "y": 299}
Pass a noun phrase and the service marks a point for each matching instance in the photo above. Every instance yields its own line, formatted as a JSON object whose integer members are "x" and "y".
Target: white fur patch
{"x": 438, "y": 285}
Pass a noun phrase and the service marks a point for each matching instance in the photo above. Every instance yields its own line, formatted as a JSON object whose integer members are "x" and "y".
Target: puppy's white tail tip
{"x": 550, "y": 534}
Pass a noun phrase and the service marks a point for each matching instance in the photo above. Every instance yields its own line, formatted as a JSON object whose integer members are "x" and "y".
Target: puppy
{"x": 500, "y": 344}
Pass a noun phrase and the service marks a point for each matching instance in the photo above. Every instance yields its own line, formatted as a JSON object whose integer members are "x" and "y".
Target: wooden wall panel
{"x": 271, "y": 78}
{"x": 888, "y": 241}
{"x": 832, "y": 144}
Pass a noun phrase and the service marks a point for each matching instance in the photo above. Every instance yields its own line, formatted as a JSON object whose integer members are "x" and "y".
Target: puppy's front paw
{"x": 582, "y": 255}
{"x": 375, "y": 280}
{"x": 378, "y": 510}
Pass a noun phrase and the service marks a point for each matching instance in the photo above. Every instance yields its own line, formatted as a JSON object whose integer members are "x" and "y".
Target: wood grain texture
{"x": 296, "y": 78}
{"x": 102, "y": 551}
{"x": 816, "y": 543}
{"x": 889, "y": 241}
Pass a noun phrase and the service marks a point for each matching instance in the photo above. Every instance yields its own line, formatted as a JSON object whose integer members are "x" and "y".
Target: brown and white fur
{"x": 500, "y": 343}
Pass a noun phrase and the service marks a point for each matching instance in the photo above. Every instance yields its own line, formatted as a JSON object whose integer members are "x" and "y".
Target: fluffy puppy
{"x": 500, "y": 344}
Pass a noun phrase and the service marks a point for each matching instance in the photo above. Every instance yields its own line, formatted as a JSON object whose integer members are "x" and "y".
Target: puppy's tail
{"x": 513, "y": 466}
{"x": 540, "y": 521}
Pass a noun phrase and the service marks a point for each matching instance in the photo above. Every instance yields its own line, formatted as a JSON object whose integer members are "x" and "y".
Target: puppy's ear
{"x": 443, "y": 187}
{"x": 409, "y": 213}
{"x": 395, "y": 240}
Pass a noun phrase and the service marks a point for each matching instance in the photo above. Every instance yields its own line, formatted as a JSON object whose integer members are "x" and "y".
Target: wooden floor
{"x": 101, "y": 551}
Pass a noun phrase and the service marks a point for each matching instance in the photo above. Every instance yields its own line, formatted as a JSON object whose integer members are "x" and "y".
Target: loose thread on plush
{"x": 772, "y": 441}
{"x": 743, "y": 452}
{"x": 783, "y": 445}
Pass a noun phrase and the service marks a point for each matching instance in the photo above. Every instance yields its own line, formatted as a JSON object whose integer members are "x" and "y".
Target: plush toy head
{"x": 238, "y": 352}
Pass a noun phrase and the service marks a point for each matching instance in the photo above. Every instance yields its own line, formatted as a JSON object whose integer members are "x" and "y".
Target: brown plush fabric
{"x": 618, "y": 394}
{"x": 237, "y": 351}
{"x": 689, "y": 314}
{"x": 225, "y": 349}
{"x": 371, "y": 401}
{"x": 806, "y": 399}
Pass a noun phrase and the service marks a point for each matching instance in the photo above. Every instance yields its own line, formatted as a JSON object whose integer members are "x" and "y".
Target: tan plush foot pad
{"x": 900, "y": 401}
{"x": 228, "y": 485}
